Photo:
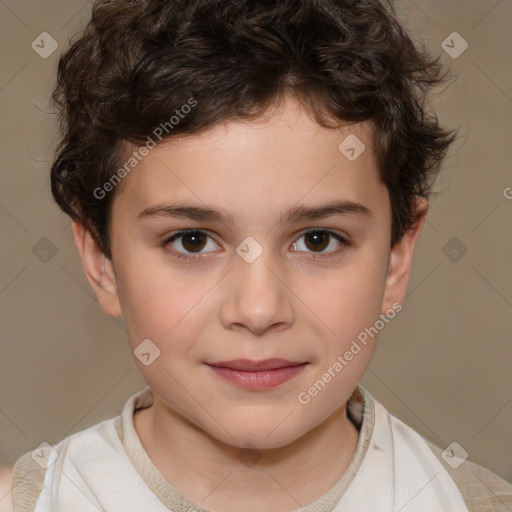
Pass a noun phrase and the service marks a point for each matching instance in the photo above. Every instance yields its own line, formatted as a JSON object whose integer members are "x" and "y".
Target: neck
{"x": 211, "y": 473}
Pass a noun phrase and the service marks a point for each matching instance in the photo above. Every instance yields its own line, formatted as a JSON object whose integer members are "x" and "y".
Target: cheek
{"x": 351, "y": 299}
{"x": 154, "y": 299}
{"x": 170, "y": 308}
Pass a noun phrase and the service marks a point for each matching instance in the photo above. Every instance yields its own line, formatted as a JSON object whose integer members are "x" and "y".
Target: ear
{"x": 400, "y": 260}
{"x": 98, "y": 269}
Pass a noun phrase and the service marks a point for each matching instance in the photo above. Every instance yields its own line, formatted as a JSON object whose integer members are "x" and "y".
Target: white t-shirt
{"x": 105, "y": 468}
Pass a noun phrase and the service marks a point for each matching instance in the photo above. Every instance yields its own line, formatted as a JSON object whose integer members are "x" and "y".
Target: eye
{"x": 192, "y": 240}
{"x": 318, "y": 240}
{"x": 191, "y": 243}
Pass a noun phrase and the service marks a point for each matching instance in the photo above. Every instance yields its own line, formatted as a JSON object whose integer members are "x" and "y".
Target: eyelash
{"x": 178, "y": 234}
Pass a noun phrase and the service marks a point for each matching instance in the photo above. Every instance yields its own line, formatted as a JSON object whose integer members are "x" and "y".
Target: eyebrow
{"x": 294, "y": 214}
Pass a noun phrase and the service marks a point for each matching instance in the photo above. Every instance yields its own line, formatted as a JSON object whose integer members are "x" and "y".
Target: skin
{"x": 6, "y": 481}
{"x": 292, "y": 302}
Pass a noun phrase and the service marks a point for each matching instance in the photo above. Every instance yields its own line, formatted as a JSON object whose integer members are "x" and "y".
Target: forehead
{"x": 259, "y": 165}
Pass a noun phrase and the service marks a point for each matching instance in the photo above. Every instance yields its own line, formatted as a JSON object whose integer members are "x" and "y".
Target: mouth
{"x": 254, "y": 375}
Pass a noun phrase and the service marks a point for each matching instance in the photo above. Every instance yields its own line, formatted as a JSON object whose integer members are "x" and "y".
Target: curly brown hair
{"x": 137, "y": 61}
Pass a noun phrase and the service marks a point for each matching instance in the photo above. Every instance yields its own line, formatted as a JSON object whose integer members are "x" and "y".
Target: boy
{"x": 290, "y": 139}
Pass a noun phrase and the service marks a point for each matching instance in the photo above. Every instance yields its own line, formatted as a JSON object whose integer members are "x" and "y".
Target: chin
{"x": 264, "y": 435}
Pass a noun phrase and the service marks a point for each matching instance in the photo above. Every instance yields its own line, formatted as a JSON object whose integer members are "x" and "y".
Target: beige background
{"x": 443, "y": 366}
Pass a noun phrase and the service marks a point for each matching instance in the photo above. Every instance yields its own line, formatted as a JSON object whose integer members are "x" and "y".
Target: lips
{"x": 257, "y": 375}
{"x": 247, "y": 365}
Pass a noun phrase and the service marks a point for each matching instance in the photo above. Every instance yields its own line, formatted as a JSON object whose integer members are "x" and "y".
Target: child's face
{"x": 305, "y": 303}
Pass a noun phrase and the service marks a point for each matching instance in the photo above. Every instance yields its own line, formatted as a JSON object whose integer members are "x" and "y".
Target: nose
{"x": 257, "y": 297}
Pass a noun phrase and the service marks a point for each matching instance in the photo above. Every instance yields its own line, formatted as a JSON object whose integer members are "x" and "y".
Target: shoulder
{"x": 34, "y": 472}
{"x": 6, "y": 480}
{"x": 27, "y": 481}
{"x": 481, "y": 489}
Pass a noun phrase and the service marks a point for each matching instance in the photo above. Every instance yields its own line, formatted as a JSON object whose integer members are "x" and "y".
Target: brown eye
{"x": 320, "y": 242}
{"x": 190, "y": 244}
{"x": 193, "y": 241}
{"x": 317, "y": 240}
